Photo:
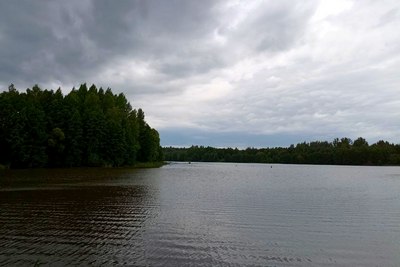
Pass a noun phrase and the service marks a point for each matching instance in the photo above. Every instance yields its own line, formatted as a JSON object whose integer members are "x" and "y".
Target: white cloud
{"x": 328, "y": 8}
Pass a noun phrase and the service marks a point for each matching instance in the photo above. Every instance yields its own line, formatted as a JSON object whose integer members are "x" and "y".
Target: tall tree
{"x": 87, "y": 127}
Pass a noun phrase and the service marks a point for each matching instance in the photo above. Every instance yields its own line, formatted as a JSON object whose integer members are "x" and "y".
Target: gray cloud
{"x": 274, "y": 26}
{"x": 219, "y": 68}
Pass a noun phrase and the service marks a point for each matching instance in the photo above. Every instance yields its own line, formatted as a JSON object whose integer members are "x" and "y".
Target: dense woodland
{"x": 87, "y": 127}
{"x": 339, "y": 152}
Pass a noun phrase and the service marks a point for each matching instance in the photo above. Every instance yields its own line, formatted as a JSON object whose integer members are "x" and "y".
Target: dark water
{"x": 202, "y": 215}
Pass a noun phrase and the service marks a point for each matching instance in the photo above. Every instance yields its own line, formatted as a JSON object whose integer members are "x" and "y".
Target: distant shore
{"x": 342, "y": 151}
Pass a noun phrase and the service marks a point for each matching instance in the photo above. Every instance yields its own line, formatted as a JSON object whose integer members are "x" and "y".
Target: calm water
{"x": 202, "y": 214}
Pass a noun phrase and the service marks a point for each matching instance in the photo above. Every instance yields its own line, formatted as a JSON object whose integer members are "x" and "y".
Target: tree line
{"x": 342, "y": 151}
{"x": 87, "y": 127}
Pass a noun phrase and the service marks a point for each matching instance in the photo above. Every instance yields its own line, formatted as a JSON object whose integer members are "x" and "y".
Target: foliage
{"x": 339, "y": 152}
{"x": 87, "y": 127}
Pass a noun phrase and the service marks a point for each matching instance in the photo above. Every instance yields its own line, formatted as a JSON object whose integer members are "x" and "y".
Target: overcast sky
{"x": 220, "y": 73}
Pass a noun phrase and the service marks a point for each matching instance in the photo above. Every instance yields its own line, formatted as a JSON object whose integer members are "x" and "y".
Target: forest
{"x": 342, "y": 151}
{"x": 87, "y": 127}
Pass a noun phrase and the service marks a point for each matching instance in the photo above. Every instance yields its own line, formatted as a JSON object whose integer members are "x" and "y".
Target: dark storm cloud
{"x": 69, "y": 41}
{"x": 33, "y": 49}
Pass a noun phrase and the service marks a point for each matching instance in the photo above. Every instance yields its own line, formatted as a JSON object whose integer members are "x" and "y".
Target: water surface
{"x": 202, "y": 214}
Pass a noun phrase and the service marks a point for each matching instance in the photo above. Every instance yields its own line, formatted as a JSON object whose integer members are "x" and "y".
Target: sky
{"x": 219, "y": 73}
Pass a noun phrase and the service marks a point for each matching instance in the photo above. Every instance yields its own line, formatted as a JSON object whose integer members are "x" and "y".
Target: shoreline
{"x": 138, "y": 165}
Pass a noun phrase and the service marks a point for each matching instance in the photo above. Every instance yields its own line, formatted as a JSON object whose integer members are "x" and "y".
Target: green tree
{"x": 87, "y": 127}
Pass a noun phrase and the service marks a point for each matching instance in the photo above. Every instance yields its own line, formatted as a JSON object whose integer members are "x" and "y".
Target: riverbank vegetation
{"x": 342, "y": 151}
{"x": 87, "y": 127}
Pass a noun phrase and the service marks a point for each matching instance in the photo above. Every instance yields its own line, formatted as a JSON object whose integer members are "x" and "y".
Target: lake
{"x": 202, "y": 214}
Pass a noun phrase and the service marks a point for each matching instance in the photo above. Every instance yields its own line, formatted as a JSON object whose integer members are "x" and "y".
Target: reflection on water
{"x": 201, "y": 215}
{"x": 77, "y": 217}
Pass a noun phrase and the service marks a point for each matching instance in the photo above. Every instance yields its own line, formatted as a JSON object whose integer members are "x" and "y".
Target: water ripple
{"x": 170, "y": 217}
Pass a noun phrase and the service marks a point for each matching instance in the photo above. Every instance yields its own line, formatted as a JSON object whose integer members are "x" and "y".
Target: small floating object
{"x": 189, "y": 162}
